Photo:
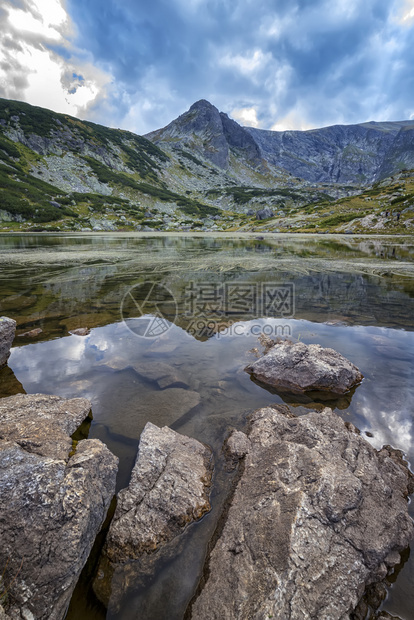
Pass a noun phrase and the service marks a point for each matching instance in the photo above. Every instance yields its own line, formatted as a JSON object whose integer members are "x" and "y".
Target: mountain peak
{"x": 202, "y": 104}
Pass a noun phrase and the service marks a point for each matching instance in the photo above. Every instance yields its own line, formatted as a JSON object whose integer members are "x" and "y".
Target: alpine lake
{"x": 193, "y": 306}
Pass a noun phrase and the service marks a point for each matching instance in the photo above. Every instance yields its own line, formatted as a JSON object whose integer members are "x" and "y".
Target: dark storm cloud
{"x": 310, "y": 62}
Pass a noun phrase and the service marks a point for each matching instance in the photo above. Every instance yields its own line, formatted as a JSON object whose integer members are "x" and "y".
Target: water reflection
{"x": 62, "y": 283}
{"x": 215, "y": 393}
{"x": 198, "y": 385}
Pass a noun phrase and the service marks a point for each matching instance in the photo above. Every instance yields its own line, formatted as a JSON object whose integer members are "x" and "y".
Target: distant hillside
{"x": 340, "y": 154}
{"x": 201, "y": 172}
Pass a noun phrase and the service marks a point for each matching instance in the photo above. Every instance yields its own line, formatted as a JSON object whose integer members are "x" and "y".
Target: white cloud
{"x": 40, "y": 17}
{"x": 248, "y": 64}
{"x": 30, "y": 68}
{"x": 246, "y": 116}
{"x": 341, "y": 9}
{"x": 295, "y": 120}
{"x": 406, "y": 13}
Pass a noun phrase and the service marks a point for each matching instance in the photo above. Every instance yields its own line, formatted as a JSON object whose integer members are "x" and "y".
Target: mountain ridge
{"x": 203, "y": 171}
{"x": 361, "y": 153}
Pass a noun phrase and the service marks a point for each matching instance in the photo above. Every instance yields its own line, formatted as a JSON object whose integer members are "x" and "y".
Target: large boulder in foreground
{"x": 52, "y": 505}
{"x": 298, "y": 368}
{"x": 317, "y": 515}
{"x": 7, "y": 333}
{"x": 169, "y": 488}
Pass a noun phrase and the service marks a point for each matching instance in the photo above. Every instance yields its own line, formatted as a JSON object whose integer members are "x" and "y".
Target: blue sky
{"x": 273, "y": 64}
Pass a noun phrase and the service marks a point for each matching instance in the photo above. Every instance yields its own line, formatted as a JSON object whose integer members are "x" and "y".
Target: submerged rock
{"x": 316, "y": 516}
{"x": 32, "y": 333}
{"x": 164, "y": 374}
{"x": 163, "y": 407}
{"x": 297, "y": 367}
{"x": 80, "y": 331}
{"x": 52, "y": 503}
{"x": 7, "y": 333}
{"x": 169, "y": 488}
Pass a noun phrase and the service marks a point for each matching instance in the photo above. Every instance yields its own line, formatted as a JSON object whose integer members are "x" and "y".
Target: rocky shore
{"x": 315, "y": 518}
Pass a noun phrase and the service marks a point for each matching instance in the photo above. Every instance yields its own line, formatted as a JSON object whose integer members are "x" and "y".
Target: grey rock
{"x": 32, "y": 333}
{"x": 102, "y": 225}
{"x": 80, "y": 331}
{"x": 202, "y": 125}
{"x": 240, "y": 140}
{"x": 341, "y": 153}
{"x": 316, "y": 516}
{"x": 3, "y": 615}
{"x": 265, "y": 213}
{"x": 41, "y": 423}
{"x": 297, "y": 367}
{"x": 211, "y": 134}
{"x": 54, "y": 501}
{"x": 237, "y": 446}
{"x": 7, "y": 333}
{"x": 169, "y": 488}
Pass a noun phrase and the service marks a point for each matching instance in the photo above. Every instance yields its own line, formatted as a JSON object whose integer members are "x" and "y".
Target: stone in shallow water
{"x": 7, "y": 333}
{"x": 297, "y": 367}
{"x": 161, "y": 407}
{"x": 169, "y": 488}
{"x": 80, "y": 331}
{"x": 32, "y": 333}
{"x": 52, "y": 504}
{"x": 164, "y": 374}
{"x": 317, "y": 515}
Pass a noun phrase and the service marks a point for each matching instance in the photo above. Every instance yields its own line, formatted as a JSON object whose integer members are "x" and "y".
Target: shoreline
{"x": 212, "y": 234}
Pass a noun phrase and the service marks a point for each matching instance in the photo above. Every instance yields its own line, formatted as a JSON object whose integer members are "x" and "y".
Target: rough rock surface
{"x": 3, "y": 615}
{"x": 316, "y": 516}
{"x": 169, "y": 488}
{"x": 265, "y": 213}
{"x": 236, "y": 446}
{"x": 52, "y": 504}
{"x": 297, "y": 367}
{"x": 80, "y": 331}
{"x": 380, "y": 147}
{"x": 7, "y": 333}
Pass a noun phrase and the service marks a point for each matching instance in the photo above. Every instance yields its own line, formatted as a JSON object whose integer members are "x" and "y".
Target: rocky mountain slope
{"x": 350, "y": 154}
{"x": 203, "y": 171}
{"x": 359, "y": 154}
